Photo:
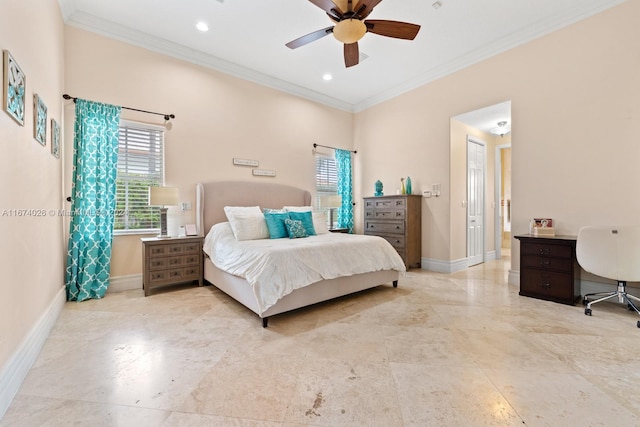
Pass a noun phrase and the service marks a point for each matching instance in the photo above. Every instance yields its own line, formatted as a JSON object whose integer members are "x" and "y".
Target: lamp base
{"x": 163, "y": 224}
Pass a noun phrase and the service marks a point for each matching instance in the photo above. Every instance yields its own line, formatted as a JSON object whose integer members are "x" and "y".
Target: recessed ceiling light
{"x": 202, "y": 26}
{"x": 327, "y": 77}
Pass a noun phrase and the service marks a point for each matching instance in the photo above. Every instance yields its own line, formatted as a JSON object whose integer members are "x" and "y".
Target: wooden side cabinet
{"x": 398, "y": 219}
{"x": 549, "y": 269}
{"x": 171, "y": 261}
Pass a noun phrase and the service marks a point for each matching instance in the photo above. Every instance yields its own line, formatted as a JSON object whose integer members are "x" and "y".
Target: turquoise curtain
{"x": 345, "y": 189}
{"x": 95, "y": 162}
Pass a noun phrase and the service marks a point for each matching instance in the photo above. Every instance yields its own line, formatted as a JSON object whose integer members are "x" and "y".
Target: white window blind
{"x": 326, "y": 179}
{"x": 140, "y": 165}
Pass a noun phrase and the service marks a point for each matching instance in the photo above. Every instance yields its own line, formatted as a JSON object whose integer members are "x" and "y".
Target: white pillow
{"x": 247, "y": 222}
{"x": 320, "y": 223}
{"x": 297, "y": 208}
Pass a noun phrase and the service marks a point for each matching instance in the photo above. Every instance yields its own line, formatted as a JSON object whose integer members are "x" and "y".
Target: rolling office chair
{"x": 614, "y": 253}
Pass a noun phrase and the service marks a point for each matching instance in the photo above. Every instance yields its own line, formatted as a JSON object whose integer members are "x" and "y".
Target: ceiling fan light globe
{"x": 349, "y": 31}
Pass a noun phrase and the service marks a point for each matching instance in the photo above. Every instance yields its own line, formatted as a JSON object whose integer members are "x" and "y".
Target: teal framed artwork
{"x": 39, "y": 120}
{"x": 55, "y": 139}
{"x": 14, "y": 83}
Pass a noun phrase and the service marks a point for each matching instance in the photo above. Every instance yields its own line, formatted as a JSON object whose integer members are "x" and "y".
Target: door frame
{"x": 498, "y": 198}
{"x": 473, "y": 140}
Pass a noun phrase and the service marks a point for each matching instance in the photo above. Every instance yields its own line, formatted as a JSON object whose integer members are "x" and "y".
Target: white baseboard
{"x": 125, "y": 283}
{"x": 17, "y": 368}
{"x": 441, "y": 266}
{"x": 514, "y": 278}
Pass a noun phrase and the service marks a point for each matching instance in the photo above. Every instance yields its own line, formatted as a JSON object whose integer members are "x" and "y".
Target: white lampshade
{"x": 333, "y": 201}
{"x": 163, "y": 196}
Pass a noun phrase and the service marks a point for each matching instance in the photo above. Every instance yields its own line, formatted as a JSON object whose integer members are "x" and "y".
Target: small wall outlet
{"x": 185, "y": 206}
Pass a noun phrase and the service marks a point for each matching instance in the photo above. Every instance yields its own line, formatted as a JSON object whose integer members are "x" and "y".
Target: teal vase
{"x": 408, "y": 185}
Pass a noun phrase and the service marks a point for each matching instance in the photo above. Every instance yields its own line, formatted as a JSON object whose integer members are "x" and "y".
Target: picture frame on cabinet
{"x": 14, "y": 84}
{"x": 39, "y": 120}
{"x": 55, "y": 139}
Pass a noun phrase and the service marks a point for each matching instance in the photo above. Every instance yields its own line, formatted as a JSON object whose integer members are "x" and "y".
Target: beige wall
{"x": 575, "y": 115}
{"x": 31, "y": 248}
{"x": 218, "y": 117}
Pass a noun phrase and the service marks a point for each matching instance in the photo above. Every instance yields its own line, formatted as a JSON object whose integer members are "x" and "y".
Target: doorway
{"x": 476, "y": 178}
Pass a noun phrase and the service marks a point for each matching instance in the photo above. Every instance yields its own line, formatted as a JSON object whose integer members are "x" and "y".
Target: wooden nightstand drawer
{"x": 561, "y": 251}
{"x": 385, "y": 203}
{"x": 385, "y": 214}
{"x": 549, "y": 285}
{"x": 546, "y": 263}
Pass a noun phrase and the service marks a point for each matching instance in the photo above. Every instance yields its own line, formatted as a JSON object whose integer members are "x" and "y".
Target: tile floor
{"x": 457, "y": 349}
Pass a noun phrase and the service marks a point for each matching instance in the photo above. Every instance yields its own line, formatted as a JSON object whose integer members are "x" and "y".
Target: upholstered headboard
{"x": 212, "y": 197}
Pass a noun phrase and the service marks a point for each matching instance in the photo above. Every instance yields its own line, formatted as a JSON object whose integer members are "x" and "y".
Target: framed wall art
{"x": 55, "y": 139}
{"x": 39, "y": 120}
{"x": 14, "y": 83}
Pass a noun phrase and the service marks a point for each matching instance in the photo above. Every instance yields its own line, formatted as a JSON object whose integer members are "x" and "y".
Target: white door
{"x": 476, "y": 154}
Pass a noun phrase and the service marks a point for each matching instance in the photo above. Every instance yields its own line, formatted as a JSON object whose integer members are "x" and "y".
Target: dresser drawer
{"x": 385, "y": 214}
{"x": 385, "y": 203}
{"x": 390, "y": 227}
{"x": 550, "y": 285}
{"x": 547, "y": 263}
{"x": 396, "y": 241}
{"x": 562, "y": 251}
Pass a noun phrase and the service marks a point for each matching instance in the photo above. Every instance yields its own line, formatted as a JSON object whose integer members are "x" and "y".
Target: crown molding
{"x": 79, "y": 19}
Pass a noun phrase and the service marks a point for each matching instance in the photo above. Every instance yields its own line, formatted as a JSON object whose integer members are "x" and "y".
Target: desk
{"x": 549, "y": 269}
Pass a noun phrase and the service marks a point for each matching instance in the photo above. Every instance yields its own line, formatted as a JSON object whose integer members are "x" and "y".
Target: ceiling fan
{"x": 351, "y": 26}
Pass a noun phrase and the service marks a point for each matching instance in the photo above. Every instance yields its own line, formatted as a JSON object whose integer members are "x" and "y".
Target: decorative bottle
{"x": 404, "y": 191}
{"x": 408, "y": 185}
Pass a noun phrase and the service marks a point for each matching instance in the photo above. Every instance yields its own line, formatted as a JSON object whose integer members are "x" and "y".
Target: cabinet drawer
{"x": 547, "y": 263}
{"x": 384, "y": 214}
{"x": 385, "y": 204}
{"x": 550, "y": 285}
{"x": 563, "y": 251}
{"x": 396, "y": 241}
{"x": 175, "y": 275}
{"x": 391, "y": 227}
{"x": 191, "y": 248}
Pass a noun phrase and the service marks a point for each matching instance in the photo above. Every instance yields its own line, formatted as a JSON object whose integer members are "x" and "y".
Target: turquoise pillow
{"x": 295, "y": 228}
{"x": 307, "y": 221}
{"x": 275, "y": 224}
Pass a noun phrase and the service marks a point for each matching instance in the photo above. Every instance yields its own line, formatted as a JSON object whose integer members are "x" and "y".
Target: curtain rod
{"x": 166, "y": 116}
{"x": 333, "y": 148}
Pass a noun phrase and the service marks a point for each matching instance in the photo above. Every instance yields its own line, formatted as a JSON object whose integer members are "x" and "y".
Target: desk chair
{"x": 614, "y": 253}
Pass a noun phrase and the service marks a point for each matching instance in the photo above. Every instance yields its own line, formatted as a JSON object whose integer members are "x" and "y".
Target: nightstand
{"x": 339, "y": 230}
{"x": 171, "y": 261}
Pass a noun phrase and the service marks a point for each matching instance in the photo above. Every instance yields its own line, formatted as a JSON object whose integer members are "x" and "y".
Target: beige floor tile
{"x": 461, "y": 349}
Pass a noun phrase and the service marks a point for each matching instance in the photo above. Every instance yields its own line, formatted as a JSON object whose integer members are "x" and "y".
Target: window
{"x": 326, "y": 186}
{"x": 140, "y": 165}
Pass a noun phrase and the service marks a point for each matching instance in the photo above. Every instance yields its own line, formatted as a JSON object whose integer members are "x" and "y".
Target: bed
{"x": 211, "y": 199}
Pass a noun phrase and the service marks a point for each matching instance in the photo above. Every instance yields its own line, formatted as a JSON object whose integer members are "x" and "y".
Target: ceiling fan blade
{"x": 395, "y": 29}
{"x": 311, "y": 37}
{"x": 327, "y": 6}
{"x": 365, "y": 7}
{"x": 351, "y": 54}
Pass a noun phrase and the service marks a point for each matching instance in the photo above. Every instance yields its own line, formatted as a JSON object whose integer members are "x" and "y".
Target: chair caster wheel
{"x": 585, "y": 301}
{"x": 587, "y": 312}
{"x": 638, "y": 323}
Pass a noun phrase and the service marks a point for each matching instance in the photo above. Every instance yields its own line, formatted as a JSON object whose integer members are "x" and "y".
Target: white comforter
{"x": 275, "y": 267}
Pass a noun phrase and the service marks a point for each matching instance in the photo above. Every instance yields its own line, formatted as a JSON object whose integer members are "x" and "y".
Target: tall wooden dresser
{"x": 399, "y": 220}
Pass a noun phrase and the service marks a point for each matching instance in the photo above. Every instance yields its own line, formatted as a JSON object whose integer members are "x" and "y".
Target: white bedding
{"x": 275, "y": 267}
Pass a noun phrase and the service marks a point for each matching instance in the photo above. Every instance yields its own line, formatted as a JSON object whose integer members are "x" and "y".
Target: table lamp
{"x": 163, "y": 197}
{"x": 331, "y": 203}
